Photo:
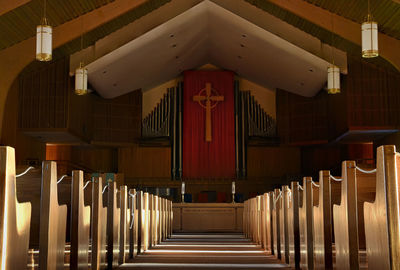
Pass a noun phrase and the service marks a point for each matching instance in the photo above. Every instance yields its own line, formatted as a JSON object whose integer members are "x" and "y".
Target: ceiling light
{"x": 81, "y": 80}
{"x": 369, "y": 34}
{"x": 333, "y": 85}
{"x": 81, "y": 76}
{"x": 44, "y": 42}
{"x": 333, "y": 80}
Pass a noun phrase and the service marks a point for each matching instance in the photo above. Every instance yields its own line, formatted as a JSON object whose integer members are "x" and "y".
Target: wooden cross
{"x": 205, "y": 101}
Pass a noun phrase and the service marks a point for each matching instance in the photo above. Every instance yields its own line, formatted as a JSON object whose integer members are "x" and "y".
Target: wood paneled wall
{"x": 373, "y": 95}
{"x": 118, "y": 120}
{"x": 89, "y": 159}
{"x": 44, "y": 96}
{"x": 272, "y": 161}
{"x": 302, "y": 120}
{"x": 144, "y": 162}
{"x": 370, "y": 99}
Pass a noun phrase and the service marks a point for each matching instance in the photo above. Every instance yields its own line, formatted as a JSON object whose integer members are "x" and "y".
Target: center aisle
{"x": 205, "y": 251}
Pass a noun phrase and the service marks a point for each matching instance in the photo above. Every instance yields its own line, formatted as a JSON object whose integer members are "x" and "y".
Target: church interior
{"x": 188, "y": 134}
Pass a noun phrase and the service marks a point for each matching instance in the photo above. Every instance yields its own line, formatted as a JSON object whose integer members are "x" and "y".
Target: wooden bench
{"x": 382, "y": 220}
{"x": 15, "y": 216}
{"x": 111, "y": 226}
{"x": 357, "y": 187}
{"x": 276, "y": 228}
{"x": 293, "y": 225}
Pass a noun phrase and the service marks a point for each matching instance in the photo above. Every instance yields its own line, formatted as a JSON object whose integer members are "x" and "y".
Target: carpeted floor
{"x": 205, "y": 251}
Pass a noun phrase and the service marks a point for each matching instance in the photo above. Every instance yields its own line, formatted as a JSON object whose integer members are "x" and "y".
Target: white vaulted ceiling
{"x": 207, "y": 33}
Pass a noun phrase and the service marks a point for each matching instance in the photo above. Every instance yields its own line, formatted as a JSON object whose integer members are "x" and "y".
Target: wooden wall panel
{"x": 273, "y": 161}
{"x": 145, "y": 162}
{"x": 80, "y": 109}
{"x": 118, "y": 120}
{"x": 89, "y": 159}
{"x": 370, "y": 99}
{"x": 44, "y": 96}
{"x": 302, "y": 120}
{"x": 373, "y": 95}
{"x": 319, "y": 158}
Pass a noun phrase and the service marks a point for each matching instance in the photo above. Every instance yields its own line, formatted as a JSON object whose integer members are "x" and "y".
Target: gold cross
{"x": 208, "y": 98}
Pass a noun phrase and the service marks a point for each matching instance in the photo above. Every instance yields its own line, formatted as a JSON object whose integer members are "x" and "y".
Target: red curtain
{"x": 215, "y": 159}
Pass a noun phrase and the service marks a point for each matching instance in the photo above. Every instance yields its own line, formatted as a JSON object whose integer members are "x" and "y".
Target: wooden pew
{"x": 80, "y": 224}
{"x": 357, "y": 187}
{"x": 145, "y": 222}
{"x": 306, "y": 219}
{"x": 124, "y": 231}
{"x": 329, "y": 193}
{"x": 257, "y": 219}
{"x": 15, "y": 217}
{"x": 164, "y": 217}
{"x": 156, "y": 220}
{"x": 293, "y": 226}
{"x": 271, "y": 221}
{"x": 160, "y": 220}
{"x": 276, "y": 212}
{"x": 245, "y": 218}
{"x": 284, "y": 234}
{"x": 170, "y": 218}
{"x": 53, "y": 221}
{"x": 133, "y": 229}
{"x": 113, "y": 224}
{"x": 382, "y": 221}
{"x": 98, "y": 226}
{"x": 265, "y": 223}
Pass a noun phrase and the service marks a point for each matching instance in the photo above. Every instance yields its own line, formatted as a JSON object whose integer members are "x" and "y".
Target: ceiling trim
{"x": 388, "y": 46}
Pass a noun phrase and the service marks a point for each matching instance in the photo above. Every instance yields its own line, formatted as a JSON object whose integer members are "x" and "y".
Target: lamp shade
{"x": 81, "y": 80}
{"x": 369, "y": 34}
{"x": 333, "y": 80}
{"x": 44, "y": 42}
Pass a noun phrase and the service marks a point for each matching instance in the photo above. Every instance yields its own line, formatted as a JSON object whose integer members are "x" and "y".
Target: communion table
{"x": 208, "y": 217}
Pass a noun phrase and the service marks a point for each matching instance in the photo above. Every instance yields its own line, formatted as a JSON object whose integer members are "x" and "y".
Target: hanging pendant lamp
{"x": 333, "y": 80}
{"x": 81, "y": 80}
{"x": 369, "y": 33}
{"x": 369, "y": 37}
{"x": 333, "y": 85}
{"x": 81, "y": 76}
{"x": 44, "y": 39}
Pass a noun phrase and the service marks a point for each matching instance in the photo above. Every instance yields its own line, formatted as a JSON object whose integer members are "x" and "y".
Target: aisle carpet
{"x": 205, "y": 251}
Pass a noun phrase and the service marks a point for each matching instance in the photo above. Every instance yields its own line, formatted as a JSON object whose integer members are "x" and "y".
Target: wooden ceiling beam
{"x": 350, "y": 30}
{"x": 8, "y": 5}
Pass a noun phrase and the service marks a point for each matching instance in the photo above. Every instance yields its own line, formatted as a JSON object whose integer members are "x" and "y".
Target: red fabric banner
{"x": 216, "y": 158}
